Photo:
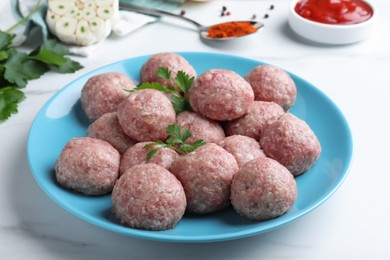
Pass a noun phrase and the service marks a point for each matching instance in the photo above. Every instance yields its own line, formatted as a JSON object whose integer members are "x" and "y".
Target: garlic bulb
{"x": 81, "y": 22}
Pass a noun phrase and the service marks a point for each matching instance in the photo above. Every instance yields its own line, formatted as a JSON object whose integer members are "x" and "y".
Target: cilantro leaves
{"x": 17, "y": 68}
{"x": 179, "y": 96}
{"x": 175, "y": 141}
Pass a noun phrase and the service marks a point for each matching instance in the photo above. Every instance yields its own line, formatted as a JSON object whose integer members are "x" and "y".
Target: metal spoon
{"x": 203, "y": 30}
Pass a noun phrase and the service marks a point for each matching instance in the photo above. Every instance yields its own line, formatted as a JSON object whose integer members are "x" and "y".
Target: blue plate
{"x": 62, "y": 118}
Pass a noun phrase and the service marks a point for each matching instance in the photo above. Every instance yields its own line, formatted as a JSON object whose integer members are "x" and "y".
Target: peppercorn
{"x": 224, "y": 8}
{"x": 271, "y": 7}
{"x": 266, "y": 16}
{"x": 254, "y": 16}
{"x": 182, "y": 12}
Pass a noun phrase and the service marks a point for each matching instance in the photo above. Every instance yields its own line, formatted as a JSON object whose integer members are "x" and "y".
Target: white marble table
{"x": 353, "y": 224}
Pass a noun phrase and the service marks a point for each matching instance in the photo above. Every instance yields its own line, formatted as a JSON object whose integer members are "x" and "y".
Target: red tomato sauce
{"x": 334, "y": 11}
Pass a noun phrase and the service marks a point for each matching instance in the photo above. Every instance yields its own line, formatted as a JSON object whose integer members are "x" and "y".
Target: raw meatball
{"x": 263, "y": 189}
{"x": 174, "y": 62}
{"x": 146, "y": 114}
{"x": 260, "y": 114}
{"x": 221, "y": 95}
{"x": 200, "y": 127}
{"x": 137, "y": 155}
{"x": 108, "y": 129}
{"x": 148, "y": 197}
{"x": 206, "y": 175}
{"x": 292, "y": 143}
{"x": 88, "y": 165}
{"x": 272, "y": 84}
{"x": 243, "y": 148}
{"x": 103, "y": 93}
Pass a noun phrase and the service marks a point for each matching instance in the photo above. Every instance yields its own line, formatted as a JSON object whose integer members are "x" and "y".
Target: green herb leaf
{"x": 5, "y": 40}
{"x": 184, "y": 81}
{"x": 151, "y": 153}
{"x": 164, "y": 73}
{"x": 19, "y": 69}
{"x": 198, "y": 143}
{"x": 49, "y": 57}
{"x": 153, "y": 85}
{"x": 53, "y": 46}
{"x": 173, "y": 131}
{"x": 3, "y": 55}
{"x": 179, "y": 98}
{"x": 156, "y": 145}
{"x": 185, "y": 134}
{"x": 180, "y": 104}
{"x": 175, "y": 141}
{"x": 9, "y": 99}
{"x": 153, "y": 144}
{"x": 70, "y": 66}
{"x": 53, "y": 54}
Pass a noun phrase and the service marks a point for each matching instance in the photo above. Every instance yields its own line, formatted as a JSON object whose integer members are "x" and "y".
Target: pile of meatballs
{"x": 254, "y": 146}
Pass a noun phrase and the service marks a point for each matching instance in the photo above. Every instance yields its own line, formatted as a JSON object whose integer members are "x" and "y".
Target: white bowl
{"x": 330, "y": 33}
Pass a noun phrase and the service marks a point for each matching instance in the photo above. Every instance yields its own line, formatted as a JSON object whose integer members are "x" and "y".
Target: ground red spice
{"x": 231, "y": 29}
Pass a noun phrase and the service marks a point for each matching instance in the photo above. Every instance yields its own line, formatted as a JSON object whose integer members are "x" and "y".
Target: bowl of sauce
{"x": 332, "y": 21}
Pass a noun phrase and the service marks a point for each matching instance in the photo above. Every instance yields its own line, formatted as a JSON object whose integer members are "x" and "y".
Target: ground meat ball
{"x": 148, "y": 197}
{"x": 272, "y": 84}
{"x": 263, "y": 189}
{"x": 243, "y": 148}
{"x": 146, "y": 114}
{"x": 174, "y": 62}
{"x": 137, "y": 155}
{"x": 200, "y": 127}
{"x": 292, "y": 143}
{"x": 221, "y": 95}
{"x": 260, "y": 114}
{"x": 103, "y": 93}
{"x": 108, "y": 129}
{"x": 206, "y": 176}
{"x": 88, "y": 165}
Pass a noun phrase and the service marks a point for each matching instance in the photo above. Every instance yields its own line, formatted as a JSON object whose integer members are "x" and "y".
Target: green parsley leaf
{"x": 180, "y": 104}
{"x": 173, "y": 130}
{"x": 184, "y": 81}
{"x": 153, "y": 85}
{"x": 70, "y": 66}
{"x": 9, "y": 99}
{"x": 3, "y": 55}
{"x": 19, "y": 69}
{"x": 179, "y": 98}
{"x": 151, "y": 153}
{"x": 198, "y": 143}
{"x": 175, "y": 141}
{"x": 185, "y": 134}
{"x": 52, "y": 54}
{"x": 156, "y": 147}
{"x": 163, "y": 73}
{"x": 48, "y": 55}
{"x": 5, "y": 40}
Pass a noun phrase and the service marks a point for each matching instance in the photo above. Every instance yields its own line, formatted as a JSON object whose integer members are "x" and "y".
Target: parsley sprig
{"x": 179, "y": 97}
{"x": 17, "y": 67}
{"x": 176, "y": 141}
